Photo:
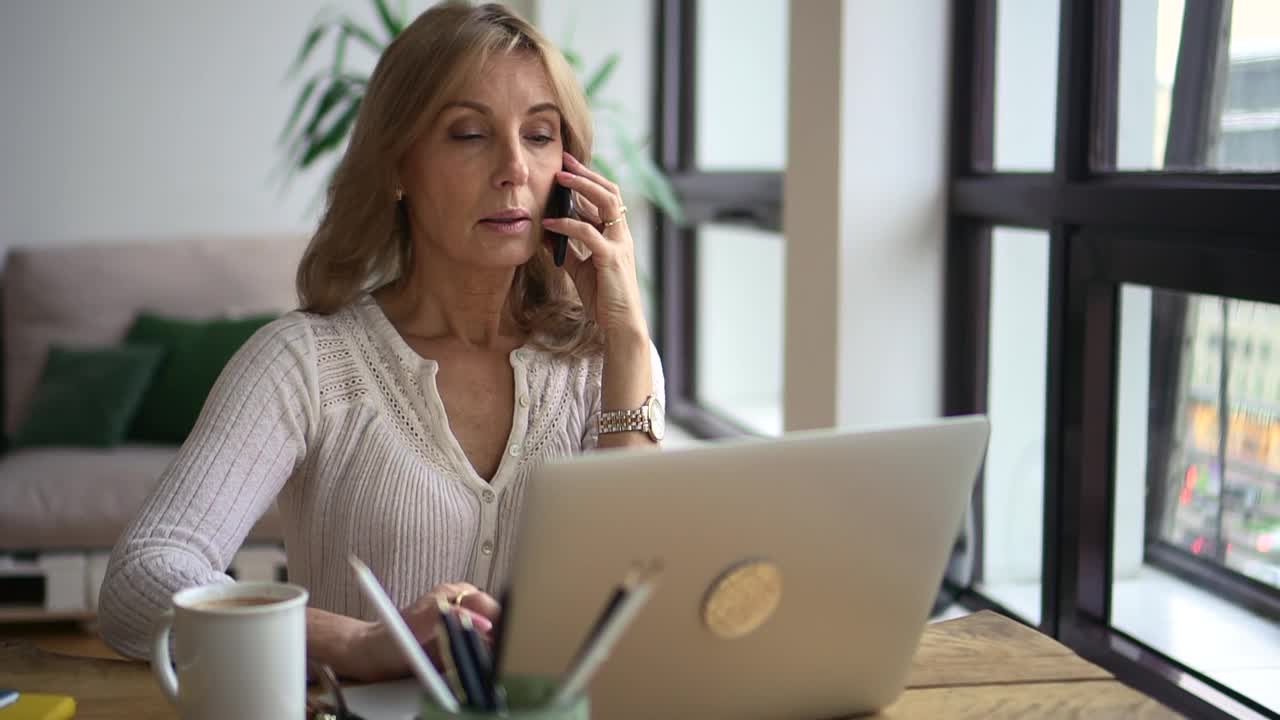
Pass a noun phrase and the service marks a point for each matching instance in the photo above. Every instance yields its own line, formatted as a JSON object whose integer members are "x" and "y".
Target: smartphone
{"x": 560, "y": 205}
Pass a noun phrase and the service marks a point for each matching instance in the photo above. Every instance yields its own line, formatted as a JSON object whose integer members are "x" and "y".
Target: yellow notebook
{"x": 34, "y": 706}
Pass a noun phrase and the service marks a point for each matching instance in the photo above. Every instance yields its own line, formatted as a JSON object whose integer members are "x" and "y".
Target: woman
{"x": 438, "y": 357}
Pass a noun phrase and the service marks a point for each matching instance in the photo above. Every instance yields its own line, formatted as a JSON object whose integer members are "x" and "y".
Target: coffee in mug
{"x": 233, "y": 602}
{"x": 240, "y": 650}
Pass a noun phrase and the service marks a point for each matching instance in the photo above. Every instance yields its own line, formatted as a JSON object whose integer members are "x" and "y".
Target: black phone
{"x": 560, "y": 205}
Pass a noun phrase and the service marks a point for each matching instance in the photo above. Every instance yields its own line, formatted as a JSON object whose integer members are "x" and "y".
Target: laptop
{"x": 845, "y": 535}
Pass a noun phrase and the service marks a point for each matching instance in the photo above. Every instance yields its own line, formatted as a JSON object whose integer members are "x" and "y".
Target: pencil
{"x": 419, "y": 663}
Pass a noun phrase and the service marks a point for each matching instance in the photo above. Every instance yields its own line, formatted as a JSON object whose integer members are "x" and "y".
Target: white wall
{"x": 864, "y": 211}
{"x": 811, "y": 216}
{"x": 149, "y": 118}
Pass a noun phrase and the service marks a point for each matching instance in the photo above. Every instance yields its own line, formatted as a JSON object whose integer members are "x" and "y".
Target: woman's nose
{"x": 513, "y": 167}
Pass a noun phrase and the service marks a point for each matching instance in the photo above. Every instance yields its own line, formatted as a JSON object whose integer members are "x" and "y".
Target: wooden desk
{"x": 980, "y": 666}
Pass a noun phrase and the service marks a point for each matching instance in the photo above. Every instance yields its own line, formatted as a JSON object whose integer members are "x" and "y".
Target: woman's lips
{"x": 507, "y": 227}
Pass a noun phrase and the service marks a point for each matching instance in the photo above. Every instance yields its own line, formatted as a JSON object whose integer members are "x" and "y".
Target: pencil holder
{"x": 527, "y": 699}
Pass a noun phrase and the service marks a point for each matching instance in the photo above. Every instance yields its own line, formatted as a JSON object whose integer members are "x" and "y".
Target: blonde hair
{"x": 363, "y": 240}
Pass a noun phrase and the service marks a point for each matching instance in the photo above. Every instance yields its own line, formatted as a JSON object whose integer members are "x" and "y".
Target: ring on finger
{"x": 457, "y": 599}
{"x": 622, "y": 213}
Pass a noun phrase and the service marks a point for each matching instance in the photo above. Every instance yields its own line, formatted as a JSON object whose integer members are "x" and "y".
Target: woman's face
{"x": 477, "y": 183}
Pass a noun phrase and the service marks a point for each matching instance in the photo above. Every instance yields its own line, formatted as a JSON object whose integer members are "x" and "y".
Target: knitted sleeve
{"x": 250, "y": 438}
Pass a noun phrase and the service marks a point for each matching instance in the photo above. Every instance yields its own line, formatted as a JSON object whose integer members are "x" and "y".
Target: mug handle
{"x": 161, "y": 665}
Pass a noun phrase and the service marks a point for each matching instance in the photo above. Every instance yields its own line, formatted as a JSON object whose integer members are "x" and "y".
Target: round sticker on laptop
{"x": 742, "y": 599}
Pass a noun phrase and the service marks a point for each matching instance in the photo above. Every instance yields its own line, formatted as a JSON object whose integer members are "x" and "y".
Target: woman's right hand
{"x": 374, "y": 655}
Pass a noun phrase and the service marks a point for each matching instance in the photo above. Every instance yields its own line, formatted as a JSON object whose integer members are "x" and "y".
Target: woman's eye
{"x": 540, "y": 139}
{"x": 468, "y": 136}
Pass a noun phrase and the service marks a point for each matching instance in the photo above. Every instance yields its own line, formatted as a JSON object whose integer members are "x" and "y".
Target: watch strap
{"x": 631, "y": 420}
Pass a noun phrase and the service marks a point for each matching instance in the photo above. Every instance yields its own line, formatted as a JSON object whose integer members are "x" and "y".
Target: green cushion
{"x": 88, "y": 397}
{"x": 196, "y": 352}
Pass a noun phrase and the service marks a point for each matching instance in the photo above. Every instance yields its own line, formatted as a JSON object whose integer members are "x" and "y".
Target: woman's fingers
{"x": 587, "y": 210}
{"x": 582, "y": 169}
{"x": 580, "y": 230}
{"x": 482, "y": 605}
{"x": 606, "y": 201}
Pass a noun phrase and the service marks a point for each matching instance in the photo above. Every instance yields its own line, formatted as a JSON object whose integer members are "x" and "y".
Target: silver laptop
{"x": 798, "y": 573}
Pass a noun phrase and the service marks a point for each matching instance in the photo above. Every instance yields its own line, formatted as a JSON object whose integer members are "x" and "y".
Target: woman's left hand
{"x": 606, "y": 281}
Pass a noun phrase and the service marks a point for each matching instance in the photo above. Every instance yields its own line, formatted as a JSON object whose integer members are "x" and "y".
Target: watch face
{"x": 657, "y": 420}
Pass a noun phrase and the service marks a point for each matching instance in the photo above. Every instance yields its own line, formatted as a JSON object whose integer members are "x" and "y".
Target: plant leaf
{"x": 355, "y": 80}
{"x": 574, "y": 60}
{"x": 605, "y": 169}
{"x": 362, "y": 34}
{"x": 390, "y": 22}
{"x": 335, "y": 93}
{"x": 653, "y": 183}
{"x": 339, "y": 52}
{"x": 333, "y": 136}
{"x": 664, "y": 195}
{"x": 605, "y": 105}
{"x": 308, "y": 45}
{"x": 307, "y": 91}
{"x": 601, "y": 75}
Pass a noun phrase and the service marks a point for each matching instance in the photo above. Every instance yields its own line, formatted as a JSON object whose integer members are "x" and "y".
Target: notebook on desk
{"x": 798, "y": 572}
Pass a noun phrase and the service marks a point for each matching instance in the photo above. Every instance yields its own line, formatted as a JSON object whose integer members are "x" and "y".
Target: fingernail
{"x": 481, "y": 623}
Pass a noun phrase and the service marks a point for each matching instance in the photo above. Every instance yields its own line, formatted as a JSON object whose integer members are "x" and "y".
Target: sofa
{"x": 62, "y": 508}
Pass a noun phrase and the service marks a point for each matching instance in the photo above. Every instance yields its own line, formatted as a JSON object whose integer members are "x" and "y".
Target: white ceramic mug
{"x": 235, "y": 658}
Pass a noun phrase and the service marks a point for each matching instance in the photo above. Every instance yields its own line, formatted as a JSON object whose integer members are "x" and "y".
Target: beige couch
{"x": 61, "y": 509}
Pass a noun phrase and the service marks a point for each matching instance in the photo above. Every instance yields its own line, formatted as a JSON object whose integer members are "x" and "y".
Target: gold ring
{"x": 457, "y": 599}
{"x": 622, "y": 212}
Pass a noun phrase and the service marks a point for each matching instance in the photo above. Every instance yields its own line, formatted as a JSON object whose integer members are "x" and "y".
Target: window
{"x": 1225, "y": 68}
{"x": 1025, "y": 84}
{"x": 1154, "y": 285}
{"x": 739, "y": 325}
{"x": 722, "y": 140}
{"x": 1197, "y": 471}
{"x": 1012, "y": 490}
{"x": 1215, "y": 483}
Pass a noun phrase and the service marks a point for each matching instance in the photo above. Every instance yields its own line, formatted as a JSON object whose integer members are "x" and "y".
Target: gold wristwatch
{"x": 649, "y": 418}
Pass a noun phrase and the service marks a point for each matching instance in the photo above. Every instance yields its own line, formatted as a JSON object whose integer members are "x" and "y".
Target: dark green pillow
{"x": 195, "y": 353}
{"x": 88, "y": 397}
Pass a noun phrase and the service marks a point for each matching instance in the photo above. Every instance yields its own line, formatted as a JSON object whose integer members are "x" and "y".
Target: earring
{"x": 399, "y": 194}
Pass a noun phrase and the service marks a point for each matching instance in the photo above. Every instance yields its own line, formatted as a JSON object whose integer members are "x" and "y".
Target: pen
{"x": 449, "y": 667}
{"x": 463, "y": 662}
{"x": 484, "y": 664}
{"x": 418, "y": 660}
{"x": 635, "y": 592}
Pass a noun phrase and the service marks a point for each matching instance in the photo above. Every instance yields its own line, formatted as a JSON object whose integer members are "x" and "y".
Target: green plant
{"x": 330, "y": 99}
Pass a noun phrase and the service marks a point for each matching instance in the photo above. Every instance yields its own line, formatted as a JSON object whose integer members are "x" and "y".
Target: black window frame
{"x": 751, "y": 198}
{"x": 1206, "y": 232}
